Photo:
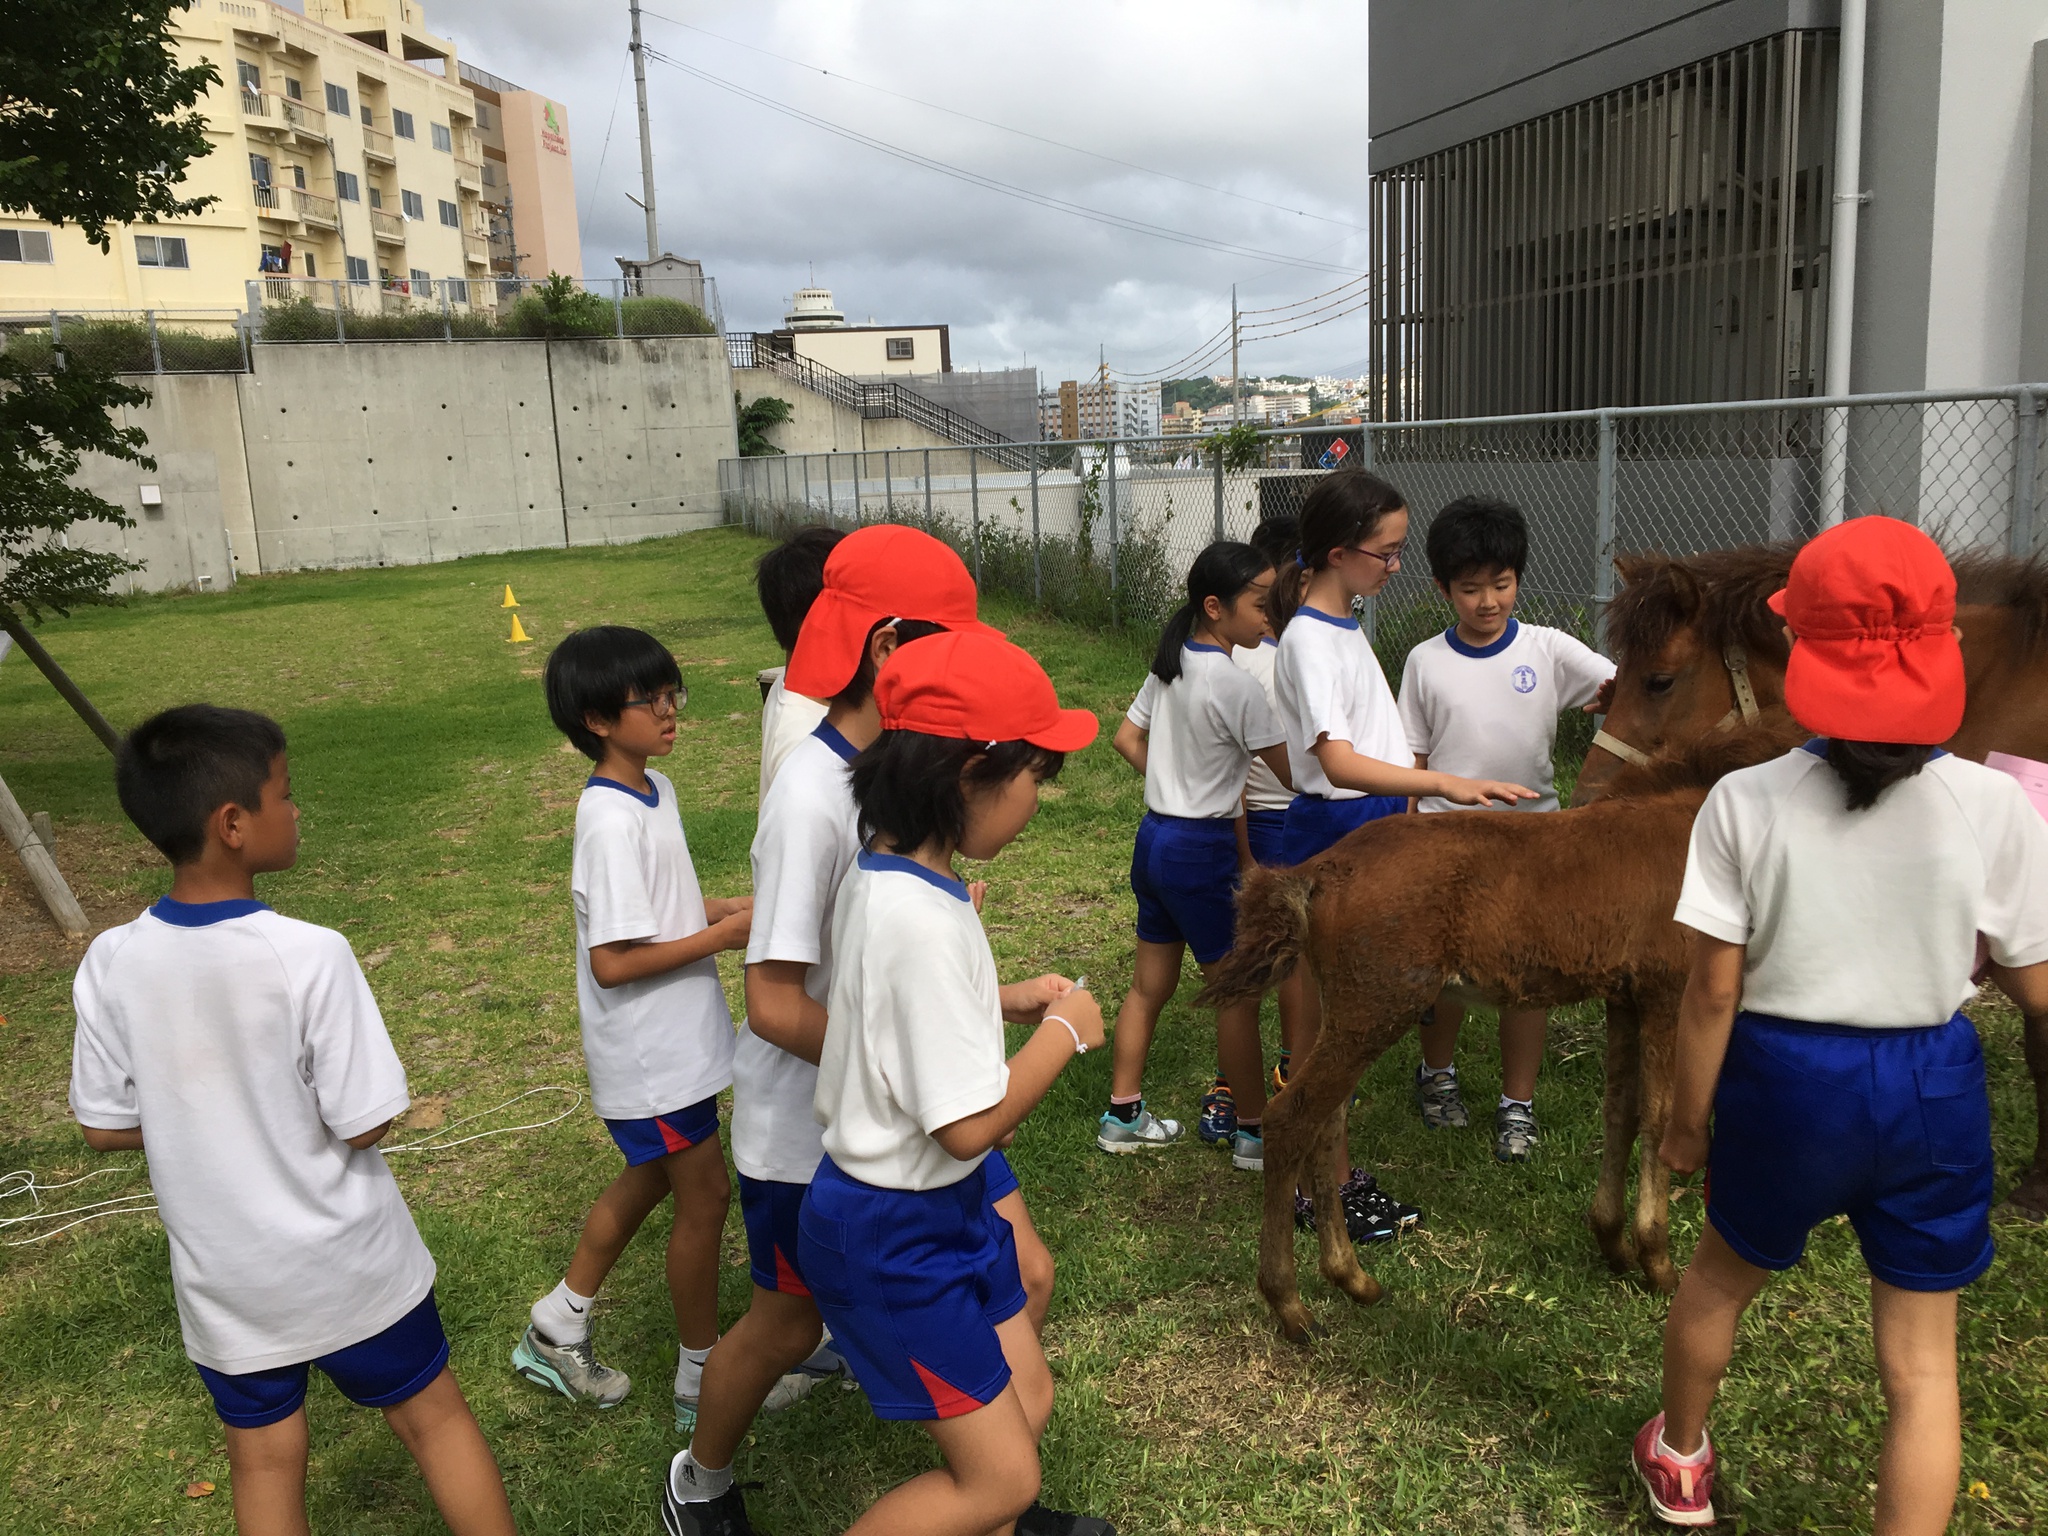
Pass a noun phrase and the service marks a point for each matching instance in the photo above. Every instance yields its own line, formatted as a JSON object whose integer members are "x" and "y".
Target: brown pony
{"x": 1692, "y": 635}
{"x": 1504, "y": 910}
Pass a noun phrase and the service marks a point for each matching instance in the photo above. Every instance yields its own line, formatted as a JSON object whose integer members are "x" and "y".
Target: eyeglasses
{"x": 667, "y": 702}
{"x": 1390, "y": 559}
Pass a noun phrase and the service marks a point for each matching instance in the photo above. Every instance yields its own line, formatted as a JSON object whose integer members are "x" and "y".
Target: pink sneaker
{"x": 1680, "y": 1494}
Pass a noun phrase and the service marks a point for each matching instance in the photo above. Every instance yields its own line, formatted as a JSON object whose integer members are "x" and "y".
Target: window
{"x": 310, "y": 272}
{"x": 160, "y": 251}
{"x": 450, "y": 214}
{"x": 337, "y": 99}
{"x": 458, "y": 291}
{"x": 299, "y": 177}
{"x": 293, "y": 89}
{"x": 358, "y": 270}
{"x": 412, "y": 205}
{"x": 347, "y": 188}
{"x": 443, "y": 139}
{"x": 369, "y": 117}
{"x": 24, "y": 245}
{"x": 490, "y": 174}
{"x": 483, "y": 114}
{"x": 422, "y": 283}
{"x": 259, "y": 170}
{"x": 401, "y": 124}
{"x": 376, "y": 198}
{"x": 251, "y": 76}
{"x": 902, "y": 349}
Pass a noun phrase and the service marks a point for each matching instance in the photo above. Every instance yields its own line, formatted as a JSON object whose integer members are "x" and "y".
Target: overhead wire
{"x": 596, "y": 181}
{"x": 995, "y": 184}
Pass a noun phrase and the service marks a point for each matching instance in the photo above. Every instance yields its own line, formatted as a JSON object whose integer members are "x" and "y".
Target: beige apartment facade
{"x": 346, "y": 148}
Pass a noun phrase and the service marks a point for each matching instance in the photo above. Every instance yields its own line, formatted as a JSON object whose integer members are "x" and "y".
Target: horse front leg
{"x": 1658, "y": 1028}
{"x": 2030, "y": 1195}
{"x": 1619, "y": 1110}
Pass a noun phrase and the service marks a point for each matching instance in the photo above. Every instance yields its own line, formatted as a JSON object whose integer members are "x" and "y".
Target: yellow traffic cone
{"x": 518, "y": 634}
{"x": 510, "y": 600}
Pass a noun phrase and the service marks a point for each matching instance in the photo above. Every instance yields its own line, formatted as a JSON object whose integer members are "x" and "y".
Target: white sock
{"x": 690, "y": 1369}
{"x": 1506, "y": 1103}
{"x": 562, "y": 1316}
{"x": 1663, "y": 1448}
{"x": 692, "y": 1484}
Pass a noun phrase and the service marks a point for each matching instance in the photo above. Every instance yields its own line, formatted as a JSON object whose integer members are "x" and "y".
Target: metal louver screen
{"x": 1663, "y": 244}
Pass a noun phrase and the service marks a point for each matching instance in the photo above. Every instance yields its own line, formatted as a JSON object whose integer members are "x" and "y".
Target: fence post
{"x": 340, "y": 321}
{"x": 1109, "y": 502}
{"x": 1037, "y": 579}
{"x": 888, "y": 488}
{"x": 2026, "y": 445}
{"x": 1366, "y": 458}
{"x": 619, "y": 307}
{"x": 974, "y": 507}
{"x": 1217, "y": 455}
{"x": 56, "y": 330}
{"x": 831, "y": 501}
{"x": 1603, "y": 526}
{"x": 447, "y": 325}
{"x": 927, "y": 490}
{"x": 156, "y": 348}
{"x": 807, "y": 485}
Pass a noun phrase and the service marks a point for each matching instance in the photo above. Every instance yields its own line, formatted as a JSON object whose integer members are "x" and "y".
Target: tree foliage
{"x": 95, "y": 126}
{"x": 1202, "y": 394}
{"x": 754, "y": 422}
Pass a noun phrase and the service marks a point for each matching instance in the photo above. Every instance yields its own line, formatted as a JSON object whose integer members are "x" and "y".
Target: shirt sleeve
{"x": 103, "y": 1092}
{"x": 945, "y": 1059}
{"x": 357, "y": 1078}
{"x": 1319, "y": 691}
{"x": 2014, "y": 914}
{"x": 794, "y": 877}
{"x": 1580, "y": 669}
{"x": 1140, "y": 712}
{"x": 1713, "y": 900}
{"x": 1251, "y": 719}
{"x": 1414, "y": 706}
{"x": 612, "y": 883}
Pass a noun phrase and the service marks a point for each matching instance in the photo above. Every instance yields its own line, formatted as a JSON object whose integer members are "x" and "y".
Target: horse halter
{"x": 1745, "y": 712}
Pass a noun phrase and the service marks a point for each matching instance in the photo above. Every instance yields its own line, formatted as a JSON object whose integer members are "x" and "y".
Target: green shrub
{"x": 657, "y": 316}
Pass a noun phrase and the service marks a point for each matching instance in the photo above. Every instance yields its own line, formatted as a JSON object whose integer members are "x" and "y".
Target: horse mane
{"x": 2010, "y": 582}
{"x": 1720, "y": 592}
{"x": 1712, "y": 758}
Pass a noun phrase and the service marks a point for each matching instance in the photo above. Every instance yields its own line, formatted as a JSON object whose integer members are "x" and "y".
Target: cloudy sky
{"x": 1265, "y": 102}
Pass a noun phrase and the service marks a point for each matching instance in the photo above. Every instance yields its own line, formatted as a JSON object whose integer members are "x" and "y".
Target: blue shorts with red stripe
{"x": 382, "y": 1371}
{"x": 1266, "y": 831}
{"x": 769, "y": 1209}
{"x": 660, "y": 1135}
{"x": 912, "y": 1283}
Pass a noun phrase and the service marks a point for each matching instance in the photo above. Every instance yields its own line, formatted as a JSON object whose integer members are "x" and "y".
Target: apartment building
{"x": 529, "y": 181}
{"x": 1081, "y": 409}
{"x": 346, "y": 146}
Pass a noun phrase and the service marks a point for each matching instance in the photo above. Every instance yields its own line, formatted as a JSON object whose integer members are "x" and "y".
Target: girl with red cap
{"x": 913, "y": 1272}
{"x": 1837, "y": 894}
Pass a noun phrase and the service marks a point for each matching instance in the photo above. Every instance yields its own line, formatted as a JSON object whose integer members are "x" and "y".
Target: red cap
{"x": 1872, "y": 604}
{"x": 976, "y": 686}
{"x": 884, "y": 571}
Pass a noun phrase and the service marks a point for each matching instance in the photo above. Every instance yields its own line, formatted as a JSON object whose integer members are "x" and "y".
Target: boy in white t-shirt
{"x": 1482, "y": 700}
{"x": 788, "y": 580}
{"x": 657, "y": 1037}
{"x": 242, "y": 1051}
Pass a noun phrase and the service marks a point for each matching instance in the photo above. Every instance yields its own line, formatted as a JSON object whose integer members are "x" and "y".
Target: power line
{"x": 993, "y": 184}
{"x": 1023, "y": 133}
{"x": 598, "y": 180}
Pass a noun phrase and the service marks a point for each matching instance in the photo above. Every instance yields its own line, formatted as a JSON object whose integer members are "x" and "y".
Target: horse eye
{"x": 1659, "y": 682}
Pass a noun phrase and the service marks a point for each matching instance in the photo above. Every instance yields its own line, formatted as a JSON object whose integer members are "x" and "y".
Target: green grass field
{"x": 1494, "y": 1389}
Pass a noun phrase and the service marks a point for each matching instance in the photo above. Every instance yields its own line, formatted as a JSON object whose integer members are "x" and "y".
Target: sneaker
{"x": 1436, "y": 1095}
{"x": 1279, "y": 1077}
{"x": 793, "y": 1388}
{"x": 570, "y": 1369}
{"x": 1371, "y": 1215}
{"x": 1125, "y": 1136}
{"x": 1248, "y": 1152}
{"x": 725, "y": 1515}
{"x": 1040, "y": 1521}
{"x": 1219, "y": 1116}
{"x": 1514, "y": 1133}
{"x": 1680, "y": 1494}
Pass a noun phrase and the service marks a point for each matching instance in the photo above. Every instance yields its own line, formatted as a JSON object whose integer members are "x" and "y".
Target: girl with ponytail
{"x": 1197, "y": 724}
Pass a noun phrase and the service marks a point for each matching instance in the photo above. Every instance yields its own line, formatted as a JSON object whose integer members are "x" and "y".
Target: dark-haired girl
{"x": 1837, "y": 894}
{"x": 1193, "y": 731}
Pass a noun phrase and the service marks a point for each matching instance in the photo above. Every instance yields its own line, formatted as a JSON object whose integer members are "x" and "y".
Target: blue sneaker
{"x": 1248, "y": 1152}
{"x": 1219, "y": 1115}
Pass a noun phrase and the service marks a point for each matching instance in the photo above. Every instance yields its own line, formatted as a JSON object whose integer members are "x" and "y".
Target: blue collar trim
{"x": 837, "y": 742}
{"x": 203, "y": 914}
{"x": 1481, "y": 652}
{"x": 1213, "y": 650}
{"x": 652, "y": 797}
{"x": 1347, "y": 622}
{"x": 882, "y": 862}
{"x": 1267, "y": 640}
{"x": 1818, "y": 746}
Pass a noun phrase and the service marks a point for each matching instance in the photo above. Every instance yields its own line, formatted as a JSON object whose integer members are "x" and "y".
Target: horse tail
{"x": 1272, "y": 937}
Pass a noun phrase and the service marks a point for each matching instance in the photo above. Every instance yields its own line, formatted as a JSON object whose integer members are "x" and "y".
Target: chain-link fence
{"x": 129, "y": 341}
{"x": 1104, "y": 531}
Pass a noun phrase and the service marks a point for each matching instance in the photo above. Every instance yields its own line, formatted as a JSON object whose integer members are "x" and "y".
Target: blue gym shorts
{"x": 381, "y": 1371}
{"x": 912, "y": 1284}
{"x": 659, "y": 1135}
{"x": 1184, "y": 873}
{"x": 1266, "y": 831}
{"x": 769, "y": 1209}
{"x": 1890, "y": 1127}
{"x": 1000, "y": 1177}
{"x": 1314, "y": 823}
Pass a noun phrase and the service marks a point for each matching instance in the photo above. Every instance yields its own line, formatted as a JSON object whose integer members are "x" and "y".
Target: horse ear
{"x": 1685, "y": 589}
{"x": 1634, "y": 568}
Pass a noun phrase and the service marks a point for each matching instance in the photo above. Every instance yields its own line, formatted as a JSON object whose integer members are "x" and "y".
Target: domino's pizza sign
{"x": 1524, "y": 679}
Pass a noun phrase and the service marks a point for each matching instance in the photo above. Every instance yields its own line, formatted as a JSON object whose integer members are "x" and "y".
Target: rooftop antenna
{"x": 646, "y": 199}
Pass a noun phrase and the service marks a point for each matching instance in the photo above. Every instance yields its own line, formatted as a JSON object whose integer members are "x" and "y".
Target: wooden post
{"x": 32, "y": 648}
{"x": 42, "y": 869}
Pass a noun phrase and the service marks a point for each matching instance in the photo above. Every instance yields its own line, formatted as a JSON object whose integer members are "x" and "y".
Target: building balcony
{"x": 322, "y": 212}
{"x": 281, "y": 117}
{"x": 271, "y": 203}
{"x": 476, "y": 250}
{"x": 377, "y": 145}
{"x": 388, "y": 228}
{"x": 469, "y": 175}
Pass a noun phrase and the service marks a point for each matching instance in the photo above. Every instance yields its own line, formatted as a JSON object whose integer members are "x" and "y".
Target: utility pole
{"x": 1236, "y": 411}
{"x": 646, "y": 143}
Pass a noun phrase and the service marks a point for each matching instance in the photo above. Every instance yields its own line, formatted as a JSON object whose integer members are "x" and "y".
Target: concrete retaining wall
{"x": 817, "y": 425}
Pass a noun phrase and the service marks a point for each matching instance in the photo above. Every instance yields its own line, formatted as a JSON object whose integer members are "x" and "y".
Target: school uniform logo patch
{"x": 1525, "y": 679}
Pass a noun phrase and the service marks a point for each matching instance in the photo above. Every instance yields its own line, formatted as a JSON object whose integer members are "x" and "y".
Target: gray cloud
{"x": 1265, "y": 100}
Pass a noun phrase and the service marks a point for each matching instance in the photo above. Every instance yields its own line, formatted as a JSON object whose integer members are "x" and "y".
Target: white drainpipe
{"x": 1849, "y": 200}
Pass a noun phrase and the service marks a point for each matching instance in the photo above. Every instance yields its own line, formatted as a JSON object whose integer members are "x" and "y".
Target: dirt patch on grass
{"x": 100, "y": 863}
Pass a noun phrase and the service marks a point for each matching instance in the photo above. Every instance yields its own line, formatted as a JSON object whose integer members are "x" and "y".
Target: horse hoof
{"x": 2028, "y": 1202}
{"x": 1661, "y": 1273}
{"x": 1359, "y": 1286}
{"x": 1296, "y": 1326}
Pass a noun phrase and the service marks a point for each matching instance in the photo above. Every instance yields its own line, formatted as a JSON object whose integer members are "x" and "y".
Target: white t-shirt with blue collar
{"x": 1203, "y": 729}
{"x": 1330, "y": 685}
{"x": 1490, "y": 712}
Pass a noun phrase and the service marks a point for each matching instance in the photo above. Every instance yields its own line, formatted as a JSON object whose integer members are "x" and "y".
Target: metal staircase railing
{"x": 874, "y": 402}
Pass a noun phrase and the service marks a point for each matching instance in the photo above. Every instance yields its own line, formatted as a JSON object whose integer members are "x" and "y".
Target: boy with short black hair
{"x": 788, "y": 580}
{"x": 246, "y": 1048}
{"x": 1482, "y": 700}
{"x": 657, "y": 1038}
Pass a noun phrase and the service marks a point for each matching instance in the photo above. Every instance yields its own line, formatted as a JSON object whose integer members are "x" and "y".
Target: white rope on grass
{"x": 433, "y": 1141}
